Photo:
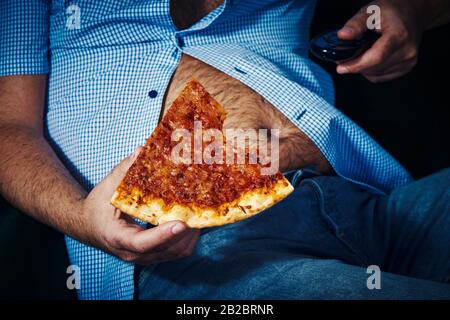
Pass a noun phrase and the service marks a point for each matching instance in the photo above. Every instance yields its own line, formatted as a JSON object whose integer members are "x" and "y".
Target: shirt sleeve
{"x": 24, "y": 37}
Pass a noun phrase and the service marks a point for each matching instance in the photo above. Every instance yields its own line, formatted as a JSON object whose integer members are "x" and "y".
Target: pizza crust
{"x": 248, "y": 205}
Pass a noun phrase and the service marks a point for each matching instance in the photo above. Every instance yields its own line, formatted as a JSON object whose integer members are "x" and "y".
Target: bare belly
{"x": 245, "y": 108}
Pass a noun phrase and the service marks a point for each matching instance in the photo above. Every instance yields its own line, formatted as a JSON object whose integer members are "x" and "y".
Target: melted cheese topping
{"x": 155, "y": 176}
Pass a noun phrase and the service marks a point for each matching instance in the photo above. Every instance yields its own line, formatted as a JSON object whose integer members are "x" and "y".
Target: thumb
{"x": 355, "y": 27}
{"x": 109, "y": 184}
{"x": 121, "y": 169}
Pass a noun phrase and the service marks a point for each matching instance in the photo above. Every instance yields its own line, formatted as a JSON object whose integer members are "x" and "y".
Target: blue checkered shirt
{"x": 103, "y": 58}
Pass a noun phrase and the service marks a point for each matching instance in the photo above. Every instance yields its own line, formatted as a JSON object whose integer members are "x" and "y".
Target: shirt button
{"x": 153, "y": 94}
{"x": 180, "y": 42}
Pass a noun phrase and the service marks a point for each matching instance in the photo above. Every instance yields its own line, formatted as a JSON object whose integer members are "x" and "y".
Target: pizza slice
{"x": 158, "y": 188}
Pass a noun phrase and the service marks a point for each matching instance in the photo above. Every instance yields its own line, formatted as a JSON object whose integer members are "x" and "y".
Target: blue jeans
{"x": 317, "y": 244}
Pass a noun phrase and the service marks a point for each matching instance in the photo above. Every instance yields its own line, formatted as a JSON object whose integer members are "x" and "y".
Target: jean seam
{"x": 330, "y": 222}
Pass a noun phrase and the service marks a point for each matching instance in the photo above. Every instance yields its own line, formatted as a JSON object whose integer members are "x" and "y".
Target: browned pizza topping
{"x": 155, "y": 175}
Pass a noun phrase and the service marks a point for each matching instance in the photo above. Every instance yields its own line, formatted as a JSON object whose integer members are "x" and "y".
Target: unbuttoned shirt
{"x": 110, "y": 62}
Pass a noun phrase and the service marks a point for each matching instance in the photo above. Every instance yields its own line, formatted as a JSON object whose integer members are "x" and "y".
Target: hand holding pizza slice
{"x": 157, "y": 189}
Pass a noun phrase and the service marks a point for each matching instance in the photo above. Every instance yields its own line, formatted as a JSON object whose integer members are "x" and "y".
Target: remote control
{"x": 329, "y": 47}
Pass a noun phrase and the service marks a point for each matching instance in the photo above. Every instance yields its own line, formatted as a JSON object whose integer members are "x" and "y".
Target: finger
{"x": 373, "y": 58}
{"x": 153, "y": 258}
{"x": 142, "y": 241}
{"x": 179, "y": 250}
{"x": 387, "y": 66}
{"x": 400, "y": 60}
{"x": 386, "y": 77}
{"x": 185, "y": 246}
{"x": 109, "y": 184}
{"x": 193, "y": 243}
{"x": 176, "y": 251}
{"x": 185, "y": 237}
{"x": 392, "y": 73}
{"x": 354, "y": 27}
{"x": 396, "y": 67}
{"x": 121, "y": 169}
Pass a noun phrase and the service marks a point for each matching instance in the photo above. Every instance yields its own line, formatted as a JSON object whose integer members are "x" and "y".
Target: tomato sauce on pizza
{"x": 157, "y": 189}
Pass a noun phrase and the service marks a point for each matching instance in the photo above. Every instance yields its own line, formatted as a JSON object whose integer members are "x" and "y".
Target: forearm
{"x": 34, "y": 180}
{"x": 246, "y": 109}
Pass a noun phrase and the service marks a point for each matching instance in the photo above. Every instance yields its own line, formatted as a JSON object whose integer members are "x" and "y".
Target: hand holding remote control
{"x": 329, "y": 47}
{"x": 388, "y": 53}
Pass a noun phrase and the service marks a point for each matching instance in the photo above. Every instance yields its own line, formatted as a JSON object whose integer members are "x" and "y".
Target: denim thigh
{"x": 308, "y": 246}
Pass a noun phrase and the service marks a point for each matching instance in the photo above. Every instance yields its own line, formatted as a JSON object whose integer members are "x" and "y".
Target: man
{"x": 112, "y": 65}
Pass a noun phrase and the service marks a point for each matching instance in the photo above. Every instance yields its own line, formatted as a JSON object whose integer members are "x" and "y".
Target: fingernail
{"x": 347, "y": 29}
{"x": 178, "y": 228}
{"x": 342, "y": 70}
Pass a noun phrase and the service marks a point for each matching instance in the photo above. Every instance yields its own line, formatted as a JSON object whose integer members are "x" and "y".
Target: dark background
{"x": 409, "y": 117}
